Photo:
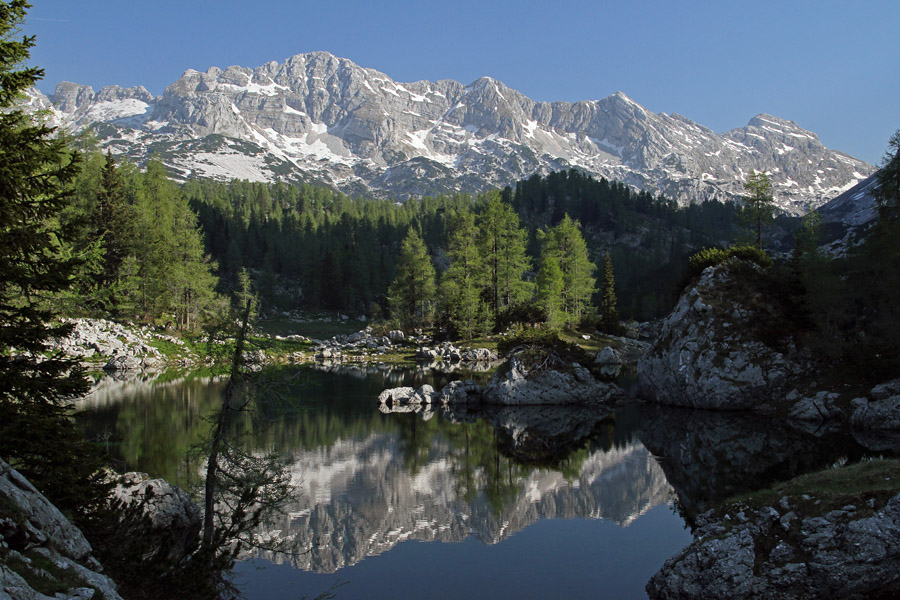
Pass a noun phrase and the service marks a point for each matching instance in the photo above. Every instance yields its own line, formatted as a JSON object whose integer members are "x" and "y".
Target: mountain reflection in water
{"x": 367, "y": 481}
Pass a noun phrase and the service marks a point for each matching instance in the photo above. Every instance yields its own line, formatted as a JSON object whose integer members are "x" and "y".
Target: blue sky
{"x": 833, "y": 67}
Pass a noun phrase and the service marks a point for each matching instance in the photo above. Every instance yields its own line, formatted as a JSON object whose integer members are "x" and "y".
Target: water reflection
{"x": 366, "y": 481}
{"x": 709, "y": 456}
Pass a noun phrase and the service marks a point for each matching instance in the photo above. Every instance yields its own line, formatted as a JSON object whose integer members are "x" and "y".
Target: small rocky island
{"x": 727, "y": 346}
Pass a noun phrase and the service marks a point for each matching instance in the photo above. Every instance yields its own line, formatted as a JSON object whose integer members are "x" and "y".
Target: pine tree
{"x": 412, "y": 293}
{"x": 37, "y": 435}
{"x": 758, "y": 204}
{"x": 609, "y": 315}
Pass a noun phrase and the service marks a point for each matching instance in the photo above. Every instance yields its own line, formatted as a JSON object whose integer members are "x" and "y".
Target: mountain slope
{"x": 320, "y": 117}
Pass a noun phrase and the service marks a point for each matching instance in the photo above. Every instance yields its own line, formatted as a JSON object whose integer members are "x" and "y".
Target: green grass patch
{"x": 489, "y": 342}
{"x": 169, "y": 350}
{"x": 833, "y": 488}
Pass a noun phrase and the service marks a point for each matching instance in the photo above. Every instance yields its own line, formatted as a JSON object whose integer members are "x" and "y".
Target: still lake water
{"x": 506, "y": 503}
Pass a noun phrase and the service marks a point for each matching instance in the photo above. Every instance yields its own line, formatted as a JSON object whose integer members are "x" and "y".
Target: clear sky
{"x": 833, "y": 67}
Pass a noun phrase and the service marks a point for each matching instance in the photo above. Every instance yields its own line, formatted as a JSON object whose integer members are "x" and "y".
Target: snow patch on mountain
{"x": 323, "y": 115}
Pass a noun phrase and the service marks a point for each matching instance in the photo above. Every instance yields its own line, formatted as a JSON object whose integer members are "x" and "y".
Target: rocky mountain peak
{"x": 319, "y": 116}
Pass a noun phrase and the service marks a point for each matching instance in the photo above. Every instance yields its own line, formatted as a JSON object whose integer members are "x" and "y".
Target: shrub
{"x": 543, "y": 346}
{"x": 709, "y": 257}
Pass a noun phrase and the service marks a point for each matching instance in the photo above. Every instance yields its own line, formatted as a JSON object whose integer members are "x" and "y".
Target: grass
{"x": 833, "y": 488}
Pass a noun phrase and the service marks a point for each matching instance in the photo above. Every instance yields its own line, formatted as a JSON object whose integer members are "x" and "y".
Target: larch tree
{"x": 464, "y": 282}
{"x": 565, "y": 244}
{"x": 758, "y": 204}
{"x": 503, "y": 244}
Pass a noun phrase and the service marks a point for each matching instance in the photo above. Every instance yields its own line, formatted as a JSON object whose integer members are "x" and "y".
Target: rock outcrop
{"x": 33, "y": 531}
{"x": 784, "y": 551}
{"x": 126, "y": 348}
{"x": 172, "y": 521}
{"x": 876, "y": 420}
{"x": 320, "y": 116}
{"x": 710, "y": 353}
{"x": 522, "y": 384}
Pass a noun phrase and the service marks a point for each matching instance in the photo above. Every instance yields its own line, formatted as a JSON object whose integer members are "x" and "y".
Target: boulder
{"x": 609, "y": 356}
{"x": 817, "y": 409}
{"x": 172, "y": 519}
{"x": 30, "y": 524}
{"x": 876, "y": 414}
{"x": 462, "y": 392}
{"x": 778, "y": 552}
{"x": 710, "y": 352}
{"x": 406, "y": 399}
{"x": 520, "y": 384}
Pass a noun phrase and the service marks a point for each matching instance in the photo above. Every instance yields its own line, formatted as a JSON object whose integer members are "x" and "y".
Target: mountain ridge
{"x": 318, "y": 116}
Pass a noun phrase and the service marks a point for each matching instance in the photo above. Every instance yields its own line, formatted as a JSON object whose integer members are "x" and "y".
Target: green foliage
{"x": 412, "y": 294}
{"x": 502, "y": 242}
{"x": 550, "y": 285}
{"x": 758, "y": 204}
{"x": 609, "y": 315}
{"x": 709, "y": 257}
{"x": 565, "y": 280}
{"x": 343, "y": 252}
{"x": 37, "y": 436}
{"x": 462, "y": 306}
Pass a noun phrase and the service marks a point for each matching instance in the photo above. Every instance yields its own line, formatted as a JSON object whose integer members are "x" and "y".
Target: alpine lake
{"x": 505, "y": 502}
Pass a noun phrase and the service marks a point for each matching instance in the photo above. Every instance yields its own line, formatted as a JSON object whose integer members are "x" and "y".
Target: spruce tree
{"x": 412, "y": 293}
{"x": 609, "y": 315}
{"x": 113, "y": 220}
{"x": 37, "y": 435}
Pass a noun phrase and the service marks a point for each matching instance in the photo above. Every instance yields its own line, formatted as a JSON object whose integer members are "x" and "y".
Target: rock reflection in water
{"x": 359, "y": 498}
{"x": 709, "y": 456}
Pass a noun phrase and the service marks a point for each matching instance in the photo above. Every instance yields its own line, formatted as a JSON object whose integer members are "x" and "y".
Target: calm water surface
{"x": 506, "y": 503}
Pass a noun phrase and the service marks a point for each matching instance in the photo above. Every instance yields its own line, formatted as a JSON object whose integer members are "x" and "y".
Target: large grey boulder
{"x": 462, "y": 392}
{"x": 407, "y": 399}
{"x": 173, "y": 520}
{"x": 875, "y": 421}
{"x": 521, "y": 384}
{"x": 708, "y": 354}
{"x": 609, "y": 356}
{"x": 30, "y": 524}
{"x": 772, "y": 553}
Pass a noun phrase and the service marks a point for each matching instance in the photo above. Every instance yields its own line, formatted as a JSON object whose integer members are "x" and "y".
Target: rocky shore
{"x": 43, "y": 556}
{"x": 799, "y": 548}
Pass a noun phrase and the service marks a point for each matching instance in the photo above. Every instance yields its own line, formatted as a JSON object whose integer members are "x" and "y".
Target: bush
{"x": 709, "y": 257}
{"x": 541, "y": 344}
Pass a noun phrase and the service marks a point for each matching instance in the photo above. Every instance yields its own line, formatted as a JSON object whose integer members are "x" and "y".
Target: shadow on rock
{"x": 710, "y": 456}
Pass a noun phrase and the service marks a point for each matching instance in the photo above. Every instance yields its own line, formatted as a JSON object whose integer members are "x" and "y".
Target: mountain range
{"x": 323, "y": 119}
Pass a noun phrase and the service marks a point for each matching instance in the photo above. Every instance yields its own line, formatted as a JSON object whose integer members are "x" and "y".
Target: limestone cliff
{"x": 722, "y": 346}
